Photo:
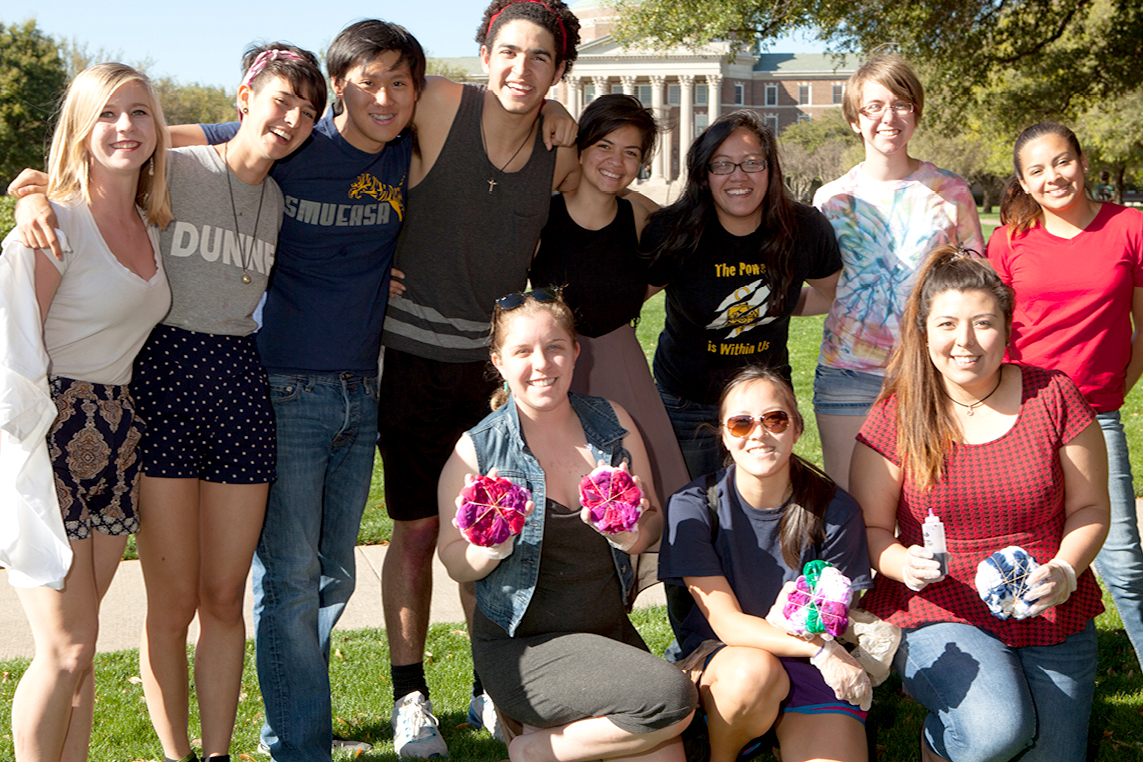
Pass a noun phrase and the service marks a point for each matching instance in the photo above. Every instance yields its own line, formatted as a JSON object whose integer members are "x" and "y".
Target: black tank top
{"x": 603, "y": 275}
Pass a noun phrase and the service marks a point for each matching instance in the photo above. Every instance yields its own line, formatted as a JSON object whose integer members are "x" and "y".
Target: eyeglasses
{"x": 750, "y": 166}
{"x": 740, "y": 426}
{"x": 542, "y": 295}
{"x": 874, "y": 110}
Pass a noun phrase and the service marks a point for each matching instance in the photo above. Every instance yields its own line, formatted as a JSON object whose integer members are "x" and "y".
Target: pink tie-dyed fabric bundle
{"x": 613, "y": 500}
{"x": 491, "y": 511}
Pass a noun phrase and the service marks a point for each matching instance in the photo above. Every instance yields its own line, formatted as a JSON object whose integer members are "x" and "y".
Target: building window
{"x": 673, "y": 96}
{"x": 804, "y": 95}
{"x": 838, "y": 93}
{"x": 701, "y": 121}
{"x": 588, "y": 93}
{"x": 701, "y": 95}
{"x": 616, "y": 89}
{"x": 803, "y": 118}
{"x": 644, "y": 94}
{"x": 739, "y": 95}
{"x": 772, "y": 123}
{"x": 771, "y": 95}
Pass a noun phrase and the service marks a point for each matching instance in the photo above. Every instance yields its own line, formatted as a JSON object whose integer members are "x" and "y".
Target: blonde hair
{"x": 69, "y": 163}
{"x": 530, "y": 307}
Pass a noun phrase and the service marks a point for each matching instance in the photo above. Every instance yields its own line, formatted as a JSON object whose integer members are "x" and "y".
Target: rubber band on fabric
{"x": 560, "y": 21}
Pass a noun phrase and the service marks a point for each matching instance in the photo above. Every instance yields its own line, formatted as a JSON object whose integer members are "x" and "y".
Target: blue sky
{"x": 203, "y": 41}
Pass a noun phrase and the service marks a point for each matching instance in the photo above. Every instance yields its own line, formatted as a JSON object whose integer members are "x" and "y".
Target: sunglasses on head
{"x": 741, "y": 425}
{"x": 542, "y": 295}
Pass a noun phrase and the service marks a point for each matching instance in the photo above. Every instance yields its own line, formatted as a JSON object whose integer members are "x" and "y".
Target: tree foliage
{"x": 814, "y": 152}
{"x": 195, "y": 103}
{"x": 32, "y": 77}
{"x": 1012, "y": 60}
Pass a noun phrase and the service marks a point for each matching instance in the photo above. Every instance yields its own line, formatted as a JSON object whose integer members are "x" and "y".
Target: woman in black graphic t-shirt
{"x": 733, "y": 253}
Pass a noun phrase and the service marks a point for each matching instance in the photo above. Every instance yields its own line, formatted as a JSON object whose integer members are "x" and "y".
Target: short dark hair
{"x": 610, "y": 112}
{"x": 303, "y": 73}
{"x": 361, "y": 42}
{"x": 552, "y": 15}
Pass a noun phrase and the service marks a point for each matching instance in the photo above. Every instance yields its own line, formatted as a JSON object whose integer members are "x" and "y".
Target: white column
{"x": 713, "y": 97}
{"x": 575, "y": 93}
{"x": 661, "y": 162}
{"x": 602, "y": 86}
{"x": 686, "y": 118}
{"x": 628, "y": 84}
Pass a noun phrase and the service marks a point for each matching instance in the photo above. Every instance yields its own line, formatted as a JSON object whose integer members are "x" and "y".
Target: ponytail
{"x": 1018, "y": 210}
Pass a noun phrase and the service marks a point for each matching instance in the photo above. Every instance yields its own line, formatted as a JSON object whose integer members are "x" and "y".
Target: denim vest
{"x": 505, "y": 593}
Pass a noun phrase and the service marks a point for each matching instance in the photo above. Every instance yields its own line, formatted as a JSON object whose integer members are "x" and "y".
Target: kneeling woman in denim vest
{"x": 550, "y": 636}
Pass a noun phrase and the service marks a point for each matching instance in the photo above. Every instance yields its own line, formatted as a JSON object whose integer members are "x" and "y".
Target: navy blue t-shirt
{"x": 326, "y": 300}
{"x": 746, "y": 550}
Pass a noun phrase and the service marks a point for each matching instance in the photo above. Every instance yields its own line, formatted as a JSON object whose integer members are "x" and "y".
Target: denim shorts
{"x": 844, "y": 392}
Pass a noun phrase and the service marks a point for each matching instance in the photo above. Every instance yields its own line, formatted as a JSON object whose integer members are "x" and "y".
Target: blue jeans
{"x": 696, "y": 428}
{"x": 989, "y": 702}
{"x": 304, "y": 565}
{"x": 1120, "y": 562}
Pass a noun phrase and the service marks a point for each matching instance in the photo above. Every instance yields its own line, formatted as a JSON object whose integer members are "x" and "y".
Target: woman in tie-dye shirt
{"x": 889, "y": 212}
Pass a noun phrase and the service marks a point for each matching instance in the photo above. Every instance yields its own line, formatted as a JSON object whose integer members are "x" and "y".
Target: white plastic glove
{"x": 1050, "y": 585}
{"x": 920, "y": 568}
{"x": 844, "y": 675}
{"x": 624, "y": 541}
{"x": 778, "y": 619}
{"x": 501, "y": 551}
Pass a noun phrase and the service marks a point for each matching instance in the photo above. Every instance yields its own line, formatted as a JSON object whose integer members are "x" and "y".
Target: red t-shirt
{"x": 1009, "y": 491}
{"x": 1073, "y": 299}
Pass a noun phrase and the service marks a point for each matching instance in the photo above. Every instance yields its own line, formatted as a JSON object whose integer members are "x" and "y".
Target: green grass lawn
{"x": 360, "y": 675}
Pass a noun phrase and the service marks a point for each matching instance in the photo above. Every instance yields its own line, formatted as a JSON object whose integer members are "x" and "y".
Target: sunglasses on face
{"x": 741, "y": 425}
{"x": 542, "y": 295}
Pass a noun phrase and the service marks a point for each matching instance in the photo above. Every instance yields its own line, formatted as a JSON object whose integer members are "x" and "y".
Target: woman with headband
{"x": 209, "y": 451}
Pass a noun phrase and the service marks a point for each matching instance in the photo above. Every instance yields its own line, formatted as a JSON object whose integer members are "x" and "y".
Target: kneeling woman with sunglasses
{"x": 550, "y": 636}
{"x": 775, "y": 512}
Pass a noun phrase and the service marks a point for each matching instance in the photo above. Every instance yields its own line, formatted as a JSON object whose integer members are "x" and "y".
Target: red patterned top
{"x": 1009, "y": 491}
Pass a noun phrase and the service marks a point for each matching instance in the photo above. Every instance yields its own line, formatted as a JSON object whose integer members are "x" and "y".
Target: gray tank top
{"x": 462, "y": 247}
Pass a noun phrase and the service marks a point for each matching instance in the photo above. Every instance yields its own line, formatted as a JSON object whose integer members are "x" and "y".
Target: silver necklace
{"x": 247, "y": 253}
{"x": 492, "y": 180}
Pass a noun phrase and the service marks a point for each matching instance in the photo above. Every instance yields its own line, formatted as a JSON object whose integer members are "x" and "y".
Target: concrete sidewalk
{"x": 124, "y": 606}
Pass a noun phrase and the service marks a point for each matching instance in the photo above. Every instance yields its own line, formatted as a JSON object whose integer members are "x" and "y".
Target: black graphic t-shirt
{"x": 718, "y": 299}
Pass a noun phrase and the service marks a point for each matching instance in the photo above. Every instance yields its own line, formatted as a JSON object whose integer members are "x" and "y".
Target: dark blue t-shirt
{"x": 326, "y": 300}
{"x": 746, "y": 550}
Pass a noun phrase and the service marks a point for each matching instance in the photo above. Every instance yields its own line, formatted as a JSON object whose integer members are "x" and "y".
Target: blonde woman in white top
{"x": 107, "y": 185}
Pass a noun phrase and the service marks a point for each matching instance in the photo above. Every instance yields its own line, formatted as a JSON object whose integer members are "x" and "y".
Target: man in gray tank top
{"x": 477, "y": 200}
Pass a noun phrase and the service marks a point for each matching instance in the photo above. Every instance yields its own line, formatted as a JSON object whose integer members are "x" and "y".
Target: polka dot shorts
{"x": 205, "y": 400}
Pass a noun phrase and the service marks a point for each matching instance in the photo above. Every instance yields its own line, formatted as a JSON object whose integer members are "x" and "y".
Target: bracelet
{"x": 819, "y": 653}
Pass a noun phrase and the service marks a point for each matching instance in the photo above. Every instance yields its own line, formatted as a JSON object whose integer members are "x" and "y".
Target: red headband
{"x": 560, "y": 21}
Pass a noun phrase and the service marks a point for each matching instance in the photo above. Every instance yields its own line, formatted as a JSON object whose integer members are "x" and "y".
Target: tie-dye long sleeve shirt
{"x": 885, "y": 230}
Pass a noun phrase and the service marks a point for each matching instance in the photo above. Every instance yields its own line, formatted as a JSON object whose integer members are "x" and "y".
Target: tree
{"x": 817, "y": 151}
{"x": 32, "y": 79}
{"x": 1113, "y": 138}
{"x": 1009, "y": 60}
{"x": 444, "y": 67}
{"x": 195, "y": 103}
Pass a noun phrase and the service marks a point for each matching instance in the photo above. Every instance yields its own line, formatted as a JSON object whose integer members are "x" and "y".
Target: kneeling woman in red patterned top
{"x": 1004, "y": 455}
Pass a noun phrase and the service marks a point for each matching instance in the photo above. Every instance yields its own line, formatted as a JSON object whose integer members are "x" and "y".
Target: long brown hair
{"x": 803, "y": 523}
{"x": 926, "y": 429}
{"x": 1018, "y": 210}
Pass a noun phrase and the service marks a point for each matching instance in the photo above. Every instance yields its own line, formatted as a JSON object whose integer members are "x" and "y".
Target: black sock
{"x": 218, "y": 758}
{"x": 477, "y": 686}
{"x": 407, "y": 679}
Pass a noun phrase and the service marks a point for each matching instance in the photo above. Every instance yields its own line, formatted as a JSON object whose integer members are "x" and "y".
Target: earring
{"x": 151, "y": 167}
{"x": 245, "y": 110}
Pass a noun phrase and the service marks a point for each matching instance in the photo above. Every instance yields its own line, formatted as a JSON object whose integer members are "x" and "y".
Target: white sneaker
{"x": 482, "y": 714}
{"x": 416, "y": 734}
